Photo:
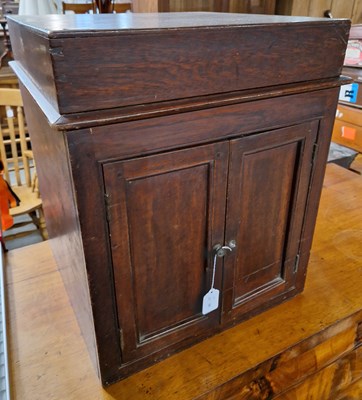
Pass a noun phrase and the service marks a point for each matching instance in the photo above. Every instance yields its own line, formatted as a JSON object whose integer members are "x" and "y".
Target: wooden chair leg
{"x": 39, "y": 221}
{"x": 3, "y": 244}
{"x": 42, "y": 225}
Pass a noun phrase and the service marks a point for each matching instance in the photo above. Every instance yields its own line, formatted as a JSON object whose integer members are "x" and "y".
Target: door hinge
{"x": 296, "y": 264}
{"x": 107, "y": 198}
{"x": 315, "y": 152}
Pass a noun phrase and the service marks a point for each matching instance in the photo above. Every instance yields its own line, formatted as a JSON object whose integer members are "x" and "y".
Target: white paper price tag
{"x": 210, "y": 301}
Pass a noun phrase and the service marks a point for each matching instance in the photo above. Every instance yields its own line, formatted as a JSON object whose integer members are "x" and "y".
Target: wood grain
{"x": 60, "y": 212}
{"x": 128, "y": 196}
{"x": 163, "y": 64}
{"x": 313, "y": 333}
{"x": 161, "y": 233}
{"x": 329, "y": 382}
{"x": 99, "y": 147}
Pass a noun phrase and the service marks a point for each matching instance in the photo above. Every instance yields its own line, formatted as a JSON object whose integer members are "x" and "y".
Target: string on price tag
{"x": 211, "y": 298}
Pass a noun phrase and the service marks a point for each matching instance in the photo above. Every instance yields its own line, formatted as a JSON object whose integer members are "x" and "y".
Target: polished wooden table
{"x": 307, "y": 347}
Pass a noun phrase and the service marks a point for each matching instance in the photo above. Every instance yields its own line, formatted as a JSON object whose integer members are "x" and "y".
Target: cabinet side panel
{"x": 39, "y": 65}
{"x": 320, "y": 162}
{"x": 61, "y": 215}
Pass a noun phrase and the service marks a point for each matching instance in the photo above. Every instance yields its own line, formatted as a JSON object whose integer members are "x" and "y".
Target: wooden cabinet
{"x": 168, "y": 211}
{"x": 171, "y": 153}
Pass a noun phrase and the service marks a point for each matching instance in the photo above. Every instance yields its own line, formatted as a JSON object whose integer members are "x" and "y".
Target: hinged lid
{"x": 94, "y": 62}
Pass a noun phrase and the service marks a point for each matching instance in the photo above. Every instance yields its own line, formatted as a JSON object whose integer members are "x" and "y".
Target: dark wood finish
{"x": 125, "y": 77}
{"x": 194, "y": 153}
{"x": 268, "y": 190}
{"x": 306, "y": 347}
{"x": 61, "y": 217}
{"x": 161, "y": 231}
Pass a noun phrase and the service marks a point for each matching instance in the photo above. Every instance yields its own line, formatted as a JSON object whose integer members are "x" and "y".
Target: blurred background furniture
{"x": 34, "y": 7}
{"x": 95, "y": 6}
{"x": 9, "y": 7}
{"x": 78, "y": 8}
{"x": 315, "y": 8}
{"x": 347, "y": 130}
{"x": 351, "y": 9}
{"x": 19, "y": 166}
{"x": 341, "y": 155}
{"x": 122, "y": 7}
{"x": 7, "y": 78}
{"x": 234, "y": 6}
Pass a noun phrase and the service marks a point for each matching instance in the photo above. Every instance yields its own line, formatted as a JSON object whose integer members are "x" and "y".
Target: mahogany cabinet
{"x": 167, "y": 169}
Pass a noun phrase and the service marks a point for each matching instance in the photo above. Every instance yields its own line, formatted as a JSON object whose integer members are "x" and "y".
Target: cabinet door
{"x": 267, "y": 194}
{"x": 165, "y": 214}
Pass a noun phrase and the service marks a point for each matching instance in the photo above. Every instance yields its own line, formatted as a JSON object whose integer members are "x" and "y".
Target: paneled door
{"x": 267, "y": 192}
{"x": 165, "y": 212}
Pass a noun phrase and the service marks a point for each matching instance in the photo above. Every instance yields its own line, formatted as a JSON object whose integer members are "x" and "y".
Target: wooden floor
{"x": 308, "y": 348}
{"x": 32, "y": 237}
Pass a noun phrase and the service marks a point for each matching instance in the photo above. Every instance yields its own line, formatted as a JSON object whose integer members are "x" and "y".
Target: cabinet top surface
{"x": 65, "y": 25}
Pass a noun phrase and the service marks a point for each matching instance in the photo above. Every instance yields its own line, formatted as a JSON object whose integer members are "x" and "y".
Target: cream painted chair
{"x": 78, "y": 8}
{"x": 19, "y": 166}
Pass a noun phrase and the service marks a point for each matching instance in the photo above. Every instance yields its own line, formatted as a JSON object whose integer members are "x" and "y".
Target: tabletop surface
{"x": 48, "y": 358}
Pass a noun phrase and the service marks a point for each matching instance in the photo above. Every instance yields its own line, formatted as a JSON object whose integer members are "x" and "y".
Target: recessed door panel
{"x": 268, "y": 183}
{"x": 165, "y": 213}
{"x": 266, "y": 191}
{"x": 168, "y": 221}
